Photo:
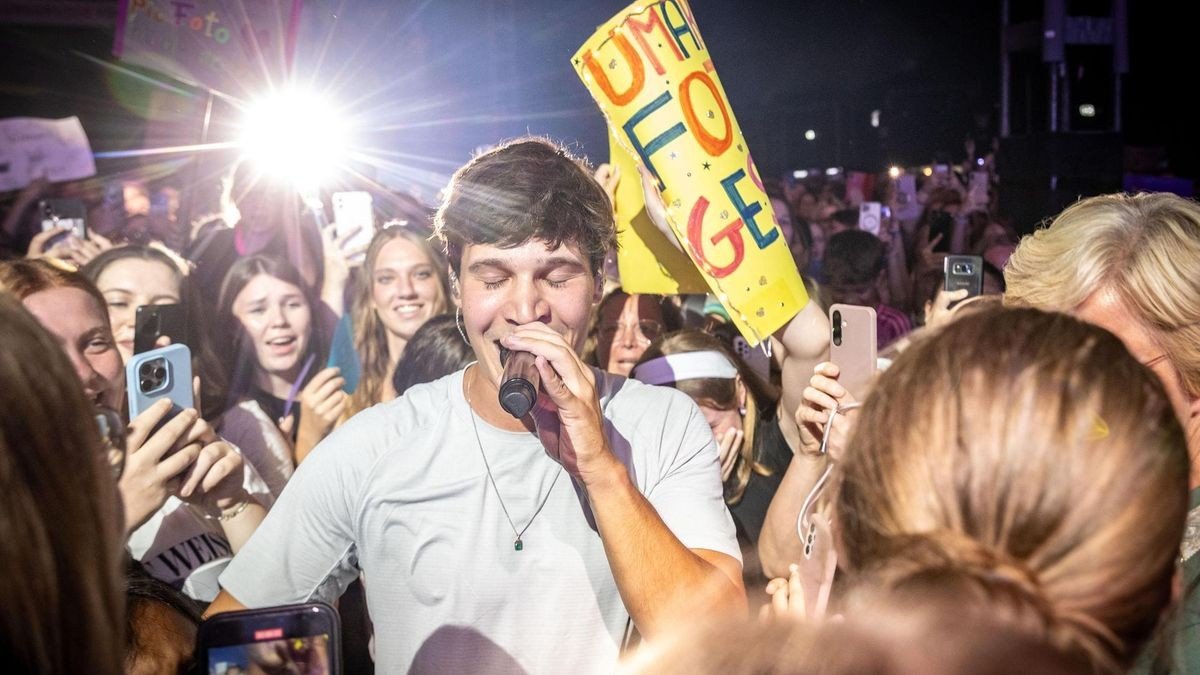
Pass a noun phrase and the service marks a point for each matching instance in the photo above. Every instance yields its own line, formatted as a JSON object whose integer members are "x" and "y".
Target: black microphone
{"x": 519, "y": 385}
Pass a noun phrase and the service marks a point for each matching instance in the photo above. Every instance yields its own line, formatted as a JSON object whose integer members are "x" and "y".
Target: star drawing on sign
{"x": 612, "y": 65}
{"x": 724, "y": 215}
{"x": 739, "y": 147}
{"x": 707, "y": 166}
{"x": 674, "y": 154}
{"x": 711, "y": 115}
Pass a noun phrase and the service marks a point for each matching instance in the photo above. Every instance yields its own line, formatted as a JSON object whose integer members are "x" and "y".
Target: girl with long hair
{"x": 406, "y": 282}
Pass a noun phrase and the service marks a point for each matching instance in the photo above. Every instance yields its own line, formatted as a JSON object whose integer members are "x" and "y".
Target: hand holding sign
{"x": 651, "y": 74}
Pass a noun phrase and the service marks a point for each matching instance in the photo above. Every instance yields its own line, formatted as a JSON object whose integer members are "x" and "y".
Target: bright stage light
{"x": 894, "y": 172}
{"x": 296, "y": 136}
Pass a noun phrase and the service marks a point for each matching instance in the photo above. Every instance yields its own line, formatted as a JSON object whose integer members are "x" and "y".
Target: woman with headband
{"x": 741, "y": 411}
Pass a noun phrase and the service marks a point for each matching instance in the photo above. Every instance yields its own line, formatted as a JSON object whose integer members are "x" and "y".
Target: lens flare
{"x": 296, "y": 136}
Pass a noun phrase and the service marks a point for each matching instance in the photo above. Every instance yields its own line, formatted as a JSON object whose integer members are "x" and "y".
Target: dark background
{"x": 431, "y": 81}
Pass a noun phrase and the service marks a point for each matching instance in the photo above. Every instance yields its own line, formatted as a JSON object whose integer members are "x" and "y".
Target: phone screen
{"x": 273, "y": 653}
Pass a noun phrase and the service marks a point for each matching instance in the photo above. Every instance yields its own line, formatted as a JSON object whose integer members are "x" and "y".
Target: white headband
{"x": 686, "y": 366}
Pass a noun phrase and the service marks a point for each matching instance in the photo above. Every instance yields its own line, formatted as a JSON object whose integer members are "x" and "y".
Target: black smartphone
{"x": 941, "y": 223}
{"x": 59, "y": 212}
{"x": 290, "y": 639}
{"x": 964, "y": 271}
{"x": 155, "y": 321}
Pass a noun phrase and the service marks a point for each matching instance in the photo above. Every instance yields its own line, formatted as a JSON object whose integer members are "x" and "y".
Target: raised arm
{"x": 662, "y": 582}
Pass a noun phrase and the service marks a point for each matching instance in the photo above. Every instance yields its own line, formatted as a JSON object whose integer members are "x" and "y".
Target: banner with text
{"x": 651, "y": 74}
{"x": 648, "y": 263}
{"x": 230, "y": 46}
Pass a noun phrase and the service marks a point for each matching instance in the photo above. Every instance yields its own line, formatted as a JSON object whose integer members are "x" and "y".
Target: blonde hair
{"x": 370, "y": 335}
{"x": 61, "y": 600}
{"x": 722, "y": 395}
{"x": 1042, "y": 474}
{"x": 1145, "y": 248}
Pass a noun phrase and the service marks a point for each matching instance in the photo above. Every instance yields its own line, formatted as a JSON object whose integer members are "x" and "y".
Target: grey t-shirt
{"x": 402, "y": 492}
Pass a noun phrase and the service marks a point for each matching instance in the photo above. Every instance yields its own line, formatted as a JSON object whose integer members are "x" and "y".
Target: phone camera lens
{"x": 837, "y": 328}
{"x": 147, "y": 384}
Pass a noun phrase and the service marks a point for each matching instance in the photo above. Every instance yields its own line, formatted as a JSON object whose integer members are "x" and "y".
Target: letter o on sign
{"x": 713, "y": 145}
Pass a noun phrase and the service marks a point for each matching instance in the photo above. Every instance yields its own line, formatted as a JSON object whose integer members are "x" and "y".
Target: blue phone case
{"x": 173, "y": 382}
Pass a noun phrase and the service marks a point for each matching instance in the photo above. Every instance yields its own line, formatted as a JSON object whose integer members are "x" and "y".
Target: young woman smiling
{"x": 405, "y": 284}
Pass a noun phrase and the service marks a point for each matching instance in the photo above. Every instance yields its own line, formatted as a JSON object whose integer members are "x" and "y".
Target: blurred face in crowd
{"x": 79, "y": 324}
{"x": 626, "y": 328}
{"x": 277, "y": 322}
{"x": 818, "y": 239}
{"x": 405, "y": 288}
{"x": 502, "y": 288}
{"x": 787, "y": 228}
{"x": 808, "y": 206}
{"x": 128, "y": 284}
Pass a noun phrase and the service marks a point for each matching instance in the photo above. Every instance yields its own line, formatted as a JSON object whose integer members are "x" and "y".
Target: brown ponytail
{"x": 1028, "y": 462}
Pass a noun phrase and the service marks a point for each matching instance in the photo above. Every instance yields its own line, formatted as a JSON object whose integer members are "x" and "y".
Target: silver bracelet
{"x": 229, "y": 514}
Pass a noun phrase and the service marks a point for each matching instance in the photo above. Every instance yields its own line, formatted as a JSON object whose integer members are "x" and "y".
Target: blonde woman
{"x": 1131, "y": 264}
{"x": 406, "y": 282}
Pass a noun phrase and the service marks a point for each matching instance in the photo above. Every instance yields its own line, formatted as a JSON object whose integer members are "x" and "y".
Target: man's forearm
{"x": 660, "y": 580}
{"x": 778, "y": 543}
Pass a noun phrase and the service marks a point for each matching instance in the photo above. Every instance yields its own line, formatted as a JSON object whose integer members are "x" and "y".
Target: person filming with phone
{"x": 170, "y": 461}
{"x": 523, "y": 534}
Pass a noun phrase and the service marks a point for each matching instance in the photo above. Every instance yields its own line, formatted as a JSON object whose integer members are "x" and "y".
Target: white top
{"x": 401, "y": 490}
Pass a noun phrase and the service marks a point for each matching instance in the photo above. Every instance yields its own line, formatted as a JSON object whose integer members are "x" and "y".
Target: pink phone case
{"x": 852, "y": 347}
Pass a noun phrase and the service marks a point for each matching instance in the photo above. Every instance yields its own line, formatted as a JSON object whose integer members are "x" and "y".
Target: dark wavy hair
{"x": 529, "y": 188}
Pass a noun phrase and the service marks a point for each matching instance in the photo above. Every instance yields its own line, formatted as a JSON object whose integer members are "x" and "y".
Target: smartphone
{"x": 941, "y": 223}
{"x": 977, "y": 192}
{"x": 155, "y": 321}
{"x": 964, "y": 271}
{"x": 58, "y": 212}
{"x": 291, "y": 639}
{"x": 869, "y": 215}
{"x": 907, "y": 206}
{"x": 350, "y": 210}
{"x": 852, "y": 346}
{"x": 165, "y": 372}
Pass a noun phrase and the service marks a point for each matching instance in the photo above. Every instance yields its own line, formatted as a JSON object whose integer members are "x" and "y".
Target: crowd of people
{"x": 1021, "y": 484}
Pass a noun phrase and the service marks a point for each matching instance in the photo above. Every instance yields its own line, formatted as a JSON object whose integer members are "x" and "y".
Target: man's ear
{"x": 598, "y": 288}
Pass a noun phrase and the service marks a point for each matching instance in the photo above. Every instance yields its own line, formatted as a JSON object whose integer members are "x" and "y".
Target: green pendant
{"x": 518, "y": 545}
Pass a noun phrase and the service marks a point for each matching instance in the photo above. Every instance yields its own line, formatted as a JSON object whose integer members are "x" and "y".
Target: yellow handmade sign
{"x": 647, "y": 261}
{"x": 652, "y": 76}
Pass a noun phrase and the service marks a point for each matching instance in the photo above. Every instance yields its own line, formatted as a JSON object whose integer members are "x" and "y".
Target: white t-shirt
{"x": 402, "y": 491}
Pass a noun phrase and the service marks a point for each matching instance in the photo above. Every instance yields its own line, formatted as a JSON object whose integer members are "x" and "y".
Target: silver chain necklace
{"x": 518, "y": 545}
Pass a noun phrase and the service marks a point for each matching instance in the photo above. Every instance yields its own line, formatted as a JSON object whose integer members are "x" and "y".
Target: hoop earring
{"x": 459, "y": 325}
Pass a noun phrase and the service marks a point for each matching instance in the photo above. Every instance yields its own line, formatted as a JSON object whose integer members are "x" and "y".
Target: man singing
{"x": 491, "y": 543}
